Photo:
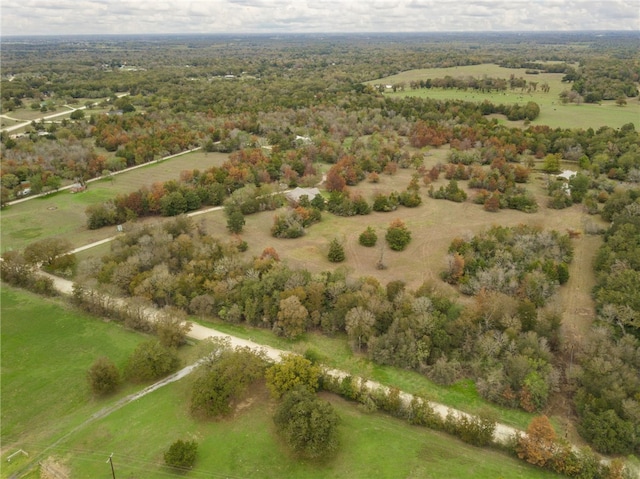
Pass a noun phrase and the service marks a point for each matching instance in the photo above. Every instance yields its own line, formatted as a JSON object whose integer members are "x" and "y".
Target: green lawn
{"x": 552, "y": 112}
{"x": 47, "y": 349}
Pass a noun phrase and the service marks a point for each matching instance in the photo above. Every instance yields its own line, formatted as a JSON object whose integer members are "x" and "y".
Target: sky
{"x": 60, "y": 17}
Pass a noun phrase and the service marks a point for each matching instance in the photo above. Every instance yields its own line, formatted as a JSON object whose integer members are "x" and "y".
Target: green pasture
{"x": 552, "y": 112}
{"x": 47, "y": 349}
{"x": 245, "y": 445}
{"x": 62, "y": 214}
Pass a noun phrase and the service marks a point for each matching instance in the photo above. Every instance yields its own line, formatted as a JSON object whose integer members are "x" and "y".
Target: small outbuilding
{"x": 567, "y": 175}
{"x": 294, "y": 195}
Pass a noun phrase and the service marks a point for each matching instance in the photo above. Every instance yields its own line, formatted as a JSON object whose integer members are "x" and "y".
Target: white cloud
{"x": 31, "y": 17}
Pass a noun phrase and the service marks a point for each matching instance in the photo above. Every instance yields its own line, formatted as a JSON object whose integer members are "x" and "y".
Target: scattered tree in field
{"x": 335, "y": 181}
{"x": 308, "y": 424}
{"x": 398, "y": 235}
{"x": 151, "y": 360}
{"x": 181, "y": 454}
{"x": 77, "y": 115}
{"x": 171, "y": 327}
{"x": 451, "y": 192}
{"x": 287, "y": 225}
{"x": 621, "y": 101}
{"x": 235, "y": 221}
{"x": 50, "y": 253}
{"x": 368, "y": 237}
{"x": 336, "y": 252}
{"x": 551, "y": 163}
{"x": 291, "y": 372}
{"x": 223, "y": 379}
{"x": 492, "y": 203}
{"x": 103, "y": 377}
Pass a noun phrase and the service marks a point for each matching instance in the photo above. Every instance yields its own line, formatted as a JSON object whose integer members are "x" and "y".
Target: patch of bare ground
{"x": 256, "y": 393}
{"x": 51, "y": 468}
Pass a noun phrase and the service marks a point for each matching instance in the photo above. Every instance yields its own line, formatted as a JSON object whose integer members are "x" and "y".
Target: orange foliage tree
{"x": 539, "y": 445}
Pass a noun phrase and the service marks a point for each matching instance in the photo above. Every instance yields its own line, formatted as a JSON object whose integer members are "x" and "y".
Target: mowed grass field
{"x": 63, "y": 215}
{"x": 552, "y": 112}
{"x": 246, "y": 445}
{"x": 46, "y": 350}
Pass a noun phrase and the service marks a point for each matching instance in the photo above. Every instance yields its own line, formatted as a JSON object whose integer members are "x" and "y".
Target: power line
{"x": 110, "y": 461}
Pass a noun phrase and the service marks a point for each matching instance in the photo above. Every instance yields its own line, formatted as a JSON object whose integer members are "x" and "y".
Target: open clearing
{"x": 552, "y": 112}
{"x": 433, "y": 226}
{"x": 46, "y": 351}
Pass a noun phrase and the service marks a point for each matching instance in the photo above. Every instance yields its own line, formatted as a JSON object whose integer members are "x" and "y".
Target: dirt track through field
{"x": 575, "y": 297}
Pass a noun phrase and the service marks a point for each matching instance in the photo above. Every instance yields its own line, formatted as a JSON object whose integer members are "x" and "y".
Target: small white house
{"x": 567, "y": 175}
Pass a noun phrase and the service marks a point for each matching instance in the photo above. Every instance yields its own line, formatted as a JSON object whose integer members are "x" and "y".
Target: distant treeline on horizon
{"x": 577, "y": 35}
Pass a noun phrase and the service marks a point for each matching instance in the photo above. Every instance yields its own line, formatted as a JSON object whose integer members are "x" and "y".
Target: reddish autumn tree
{"x": 492, "y": 203}
{"x": 539, "y": 445}
{"x": 335, "y": 181}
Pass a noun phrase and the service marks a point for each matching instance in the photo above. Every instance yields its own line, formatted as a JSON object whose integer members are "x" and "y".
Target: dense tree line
{"x": 179, "y": 265}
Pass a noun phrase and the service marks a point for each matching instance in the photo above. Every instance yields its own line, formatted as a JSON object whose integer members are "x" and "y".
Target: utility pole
{"x": 110, "y": 461}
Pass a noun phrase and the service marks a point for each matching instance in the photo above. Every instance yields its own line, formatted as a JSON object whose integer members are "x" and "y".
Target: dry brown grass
{"x": 433, "y": 225}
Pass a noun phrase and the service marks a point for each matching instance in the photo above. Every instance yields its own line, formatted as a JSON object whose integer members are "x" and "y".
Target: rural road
{"x": 46, "y": 117}
{"x": 502, "y": 433}
{"x": 114, "y": 173}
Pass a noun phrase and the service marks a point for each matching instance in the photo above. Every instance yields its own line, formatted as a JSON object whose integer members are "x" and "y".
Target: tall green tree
{"x": 293, "y": 371}
{"x": 359, "y": 325}
{"x": 292, "y": 318}
{"x": 308, "y": 424}
{"x": 151, "y": 360}
{"x": 224, "y": 379}
{"x": 181, "y": 454}
{"x": 398, "y": 235}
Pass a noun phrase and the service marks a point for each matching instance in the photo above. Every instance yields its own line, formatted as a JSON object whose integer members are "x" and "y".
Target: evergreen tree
{"x": 336, "y": 252}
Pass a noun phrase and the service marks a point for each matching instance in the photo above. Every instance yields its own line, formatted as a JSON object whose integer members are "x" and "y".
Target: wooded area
{"x": 295, "y": 112}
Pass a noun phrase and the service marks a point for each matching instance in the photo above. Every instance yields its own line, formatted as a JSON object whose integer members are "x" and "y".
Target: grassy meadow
{"x": 62, "y": 214}
{"x": 433, "y": 225}
{"x": 552, "y": 112}
{"x": 47, "y": 348}
{"x": 246, "y": 445}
